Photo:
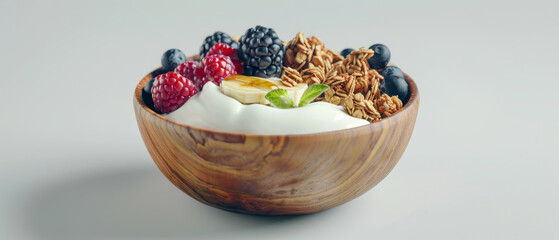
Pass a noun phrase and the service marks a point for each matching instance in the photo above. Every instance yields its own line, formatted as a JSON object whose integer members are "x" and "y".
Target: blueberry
{"x": 157, "y": 72}
{"x": 146, "y": 94}
{"x": 392, "y": 70}
{"x": 381, "y": 57}
{"x": 346, "y": 52}
{"x": 171, "y": 59}
{"x": 395, "y": 85}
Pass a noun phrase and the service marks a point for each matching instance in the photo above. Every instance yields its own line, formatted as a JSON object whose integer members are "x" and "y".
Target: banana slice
{"x": 249, "y": 90}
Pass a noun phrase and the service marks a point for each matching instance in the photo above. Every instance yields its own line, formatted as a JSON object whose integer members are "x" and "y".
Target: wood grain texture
{"x": 275, "y": 175}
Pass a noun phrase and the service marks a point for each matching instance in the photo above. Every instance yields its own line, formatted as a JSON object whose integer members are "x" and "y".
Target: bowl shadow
{"x": 131, "y": 203}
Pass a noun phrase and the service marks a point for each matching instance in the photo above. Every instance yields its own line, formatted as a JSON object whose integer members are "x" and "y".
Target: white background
{"x": 482, "y": 162}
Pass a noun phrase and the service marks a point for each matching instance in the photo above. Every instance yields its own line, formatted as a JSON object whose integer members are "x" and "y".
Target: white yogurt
{"x": 213, "y": 110}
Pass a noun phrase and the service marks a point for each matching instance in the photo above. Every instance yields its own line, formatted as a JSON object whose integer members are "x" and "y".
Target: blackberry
{"x": 262, "y": 52}
{"x": 217, "y": 37}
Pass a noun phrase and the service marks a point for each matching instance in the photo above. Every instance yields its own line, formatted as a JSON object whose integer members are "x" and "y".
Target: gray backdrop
{"x": 481, "y": 164}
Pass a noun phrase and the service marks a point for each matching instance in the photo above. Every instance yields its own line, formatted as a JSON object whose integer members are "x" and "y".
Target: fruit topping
{"x": 284, "y": 75}
{"x": 346, "y": 52}
{"x": 262, "y": 52}
{"x": 216, "y": 68}
{"x": 171, "y": 59}
{"x": 200, "y": 80}
{"x": 146, "y": 94}
{"x": 394, "y": 85}
{"x": 247, "y": 90}
{"x": 170, "y": 91}
{"x": 392, "y": 70}
{"x": 187, "y": 69}
{"x": 217, "y": 37}
{"x": 224, "y": 49}
{"x": 381, "y": 57}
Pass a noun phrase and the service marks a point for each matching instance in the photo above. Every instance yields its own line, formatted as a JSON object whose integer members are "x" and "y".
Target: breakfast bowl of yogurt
{"x": 234, "y": 145}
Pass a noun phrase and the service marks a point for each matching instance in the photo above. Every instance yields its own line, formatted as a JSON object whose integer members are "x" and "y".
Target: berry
{"x": 381, "y": 57}
{"x": 146, "y": 94}
{"x": 392, "y": 70}
{"x": 262, "y": 52}
{"x": 200, "y": 81}
{"x": 346, "y": 52}
{"x": 199, "y": 78}
{"x": 216, "y": 68}
{"x": 217, "y": 37}
{"x": 156, "y": 72}
{"x": 170, "y": 91}
{"x": 171, "y": 59}
{"x": 395, "y": 85}
{"x": 186, "y": 69}
{"x": 224, "y": 49}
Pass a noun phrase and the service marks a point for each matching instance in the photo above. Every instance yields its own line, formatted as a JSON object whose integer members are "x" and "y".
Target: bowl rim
{"x": 413, "y": 100}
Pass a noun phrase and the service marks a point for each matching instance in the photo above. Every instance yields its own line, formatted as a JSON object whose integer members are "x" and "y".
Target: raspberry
{"x": 186, "y": 69}
{"x": 216, "y": 68}
{"x": 224, "y": 49}
{"x": 170, "y": 91}
{"x": 200, "y": 81}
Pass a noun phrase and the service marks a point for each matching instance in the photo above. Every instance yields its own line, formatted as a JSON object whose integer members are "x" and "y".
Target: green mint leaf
{"x": 279, "y": 98}
{"x": 312, "y": 92}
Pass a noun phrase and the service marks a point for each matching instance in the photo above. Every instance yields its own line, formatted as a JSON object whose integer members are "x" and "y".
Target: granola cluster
{"x": 352, "y": 83}
{"x": 387, "y": 105}
{"x": 309, "y": 58}
{"x": 356, "y": 87}
{"x": 290, "y": 77}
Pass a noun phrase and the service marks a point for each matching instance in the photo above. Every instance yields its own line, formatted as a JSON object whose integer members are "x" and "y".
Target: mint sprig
{"x": 280, "y": 98}
{"x": 311, "y": 93}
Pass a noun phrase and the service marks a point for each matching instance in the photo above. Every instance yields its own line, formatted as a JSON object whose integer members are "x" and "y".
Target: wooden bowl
{"x": 275, "y": 175}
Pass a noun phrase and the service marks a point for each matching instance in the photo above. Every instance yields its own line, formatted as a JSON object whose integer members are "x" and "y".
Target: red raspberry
{"x": 200, "y": 81}
{"x": 224, "y": 49}
{"x": 217, "y": 67}
{"x": 186, "y": 69}
{"x": 170, "y": 91}
{"x": 200, "y": 78}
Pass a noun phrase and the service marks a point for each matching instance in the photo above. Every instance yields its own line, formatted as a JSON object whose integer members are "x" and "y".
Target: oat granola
{"x": 387, "y": 105}
{"x": 356, "y": 87}
{"x": 290, "y": 77}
